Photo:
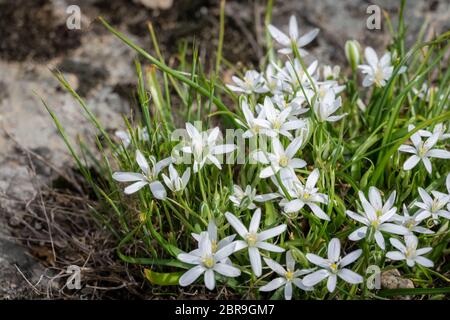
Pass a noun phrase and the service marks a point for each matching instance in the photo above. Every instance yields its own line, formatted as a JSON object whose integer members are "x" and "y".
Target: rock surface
{"x": 34, "y": 39}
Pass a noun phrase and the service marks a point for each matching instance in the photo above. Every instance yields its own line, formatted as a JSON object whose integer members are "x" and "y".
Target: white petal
{"x": 293, "y": 28}
{"x": 236, "y": 224}
{"x": 290, "y": 262}
{"x": 379, "y": 239}
{"x": 350, "y": 276}
{"x": 371, "y": 56}
{"x": 395, "y": 255}
{"x": 358, "y": 234}
{"x": 315, "y": 277}
{"x": 210, "y": 279}
{"x": 227, "y": 270}
{"x": 191, "y": 275}
{"x": 375, "y": 198}
{"x": 273, "y": 285}
{"x": 312, "y": 179}
{"x": 318, "y": 212}
{"x": 424, "y": 262}
{"x": 288, "y": 291}
{"x": 331, "y": 283}
{"x": 275, "y": 266}
{"x": 393, "y": 228}
{"x": 350, "y": 258}
{"x": 279, "y": 36}
{"x": 142, "y": 162}
{"x": 357, "y": 217}
{"x": 135, "y": 187}
{"x": 128, "y": 176}
{"x": 255, "y": 260}
{"x": 438, "y": 153}
{"x": 158, "y": 190}
{"x": 334, "y": 249}
{"x": 318, "y": 261}
{"x": 307, "y": 38}
{"x": 270, "y": 233}
{"x": 397, "y": 244}
{"x": 293, "y": 206}
{"x": 411, "y": 162}
{"x": 254, "y": 223}
{"x": 225, "y": 252}
{"x": 427, "y": 164}
{"x": 269, "y": 247}
{"x": 189, "y": 258}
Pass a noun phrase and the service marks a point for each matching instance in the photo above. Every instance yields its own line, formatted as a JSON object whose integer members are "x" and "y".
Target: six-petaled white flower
{"x": 375, "y": 217}
{"x": 411, "y": 222}
{"x": 409, "y": 252}
{"x": 287, "y": 277}
{"x": 377, "y": 71}
{"x": 216, "y": 244}
{"x": 305, "y": 195}
{"x": 332, "y": 267}
{"x": 174, "y": 182}
{"x": 254, "y": 240}
{"x": 292, "y": 39}
{"x": 245, "y": 199}
{"x": 422, "y": 151}
{"x": 207, "y": 262}
{"x": 434, "y": 208}
{"x": 148, "y": 176}
{"x": 281, "y": 160}
{"x": 203, "y": 146}
{"x": 253, "y": 82}
{"x": 254, "y": 126}
{"x": 325, "y": 107}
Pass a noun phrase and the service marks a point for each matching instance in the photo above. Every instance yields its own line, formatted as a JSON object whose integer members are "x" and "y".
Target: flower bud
{"x": 353, "y": 53}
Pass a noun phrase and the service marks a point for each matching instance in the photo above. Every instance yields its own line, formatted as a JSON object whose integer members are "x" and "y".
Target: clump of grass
{"x": 321, "y": 163}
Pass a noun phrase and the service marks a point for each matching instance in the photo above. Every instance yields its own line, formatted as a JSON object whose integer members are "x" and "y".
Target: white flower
{"x": 305, "y": 195}
{"x": 245, "y": 199}
{"x": 207, "y": 262}
{"x": 325, "y": 107}
{"x": 281, "y": 160}
{"x": 125, "y": 137}
{"x": 422, "y": 151}
{"x": 279, "y": 122}
{"x": 439, "y": 128}
{"x": 377, "y": 71}
{"x": 409, "y": 252}
{"x": 287, "y": 277}
{"x": 175, "y": 182}
{"x": 252, "y": 82}
{"x": 272, "y": 82}
{"x": 375, "y": 216}
{"x": 254, "y": 125}
{"x": 254, "y": 240}
{"x": 331, "y": 73}
{"x": 294, "y": 105}
{"x": 288, "y": 41}
{"x": 333, "y": 267}
{"x": 411, "y": 222}
{"x": 203, "y": 147}
{"x": 293, "y": 77}
{"x": 215, "y": 244}
{"x": 433, "y": 208}
{"x": 148, "y": 176}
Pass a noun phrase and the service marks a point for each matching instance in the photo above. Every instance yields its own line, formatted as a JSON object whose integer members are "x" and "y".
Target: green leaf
{"x": 162, "y": 279}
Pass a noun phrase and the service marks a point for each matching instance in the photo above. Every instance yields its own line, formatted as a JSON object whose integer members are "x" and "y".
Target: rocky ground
{"x": 43, "y": 226}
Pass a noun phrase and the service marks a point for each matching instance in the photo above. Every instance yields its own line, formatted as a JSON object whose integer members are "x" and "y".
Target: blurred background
{"x": 35, "y": 168}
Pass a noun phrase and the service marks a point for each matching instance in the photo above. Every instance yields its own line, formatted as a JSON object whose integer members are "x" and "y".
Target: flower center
{"x": 284, "y": 161}
{"x": 334, "y": 267}
{"x": 277, "y": 124}
{"x": 252, "y": 238}
{"x": 306, "y": 196}
{"x": 208, "y": 261}
{"x": 375, "y": 223}
{"x": 409, "y": 224}
{"x": 435, "y": 206}
{"x": 289, "y": 275}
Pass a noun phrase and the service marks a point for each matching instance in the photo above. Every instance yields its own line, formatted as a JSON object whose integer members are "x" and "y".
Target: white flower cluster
{"x": 292, "y": 97}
